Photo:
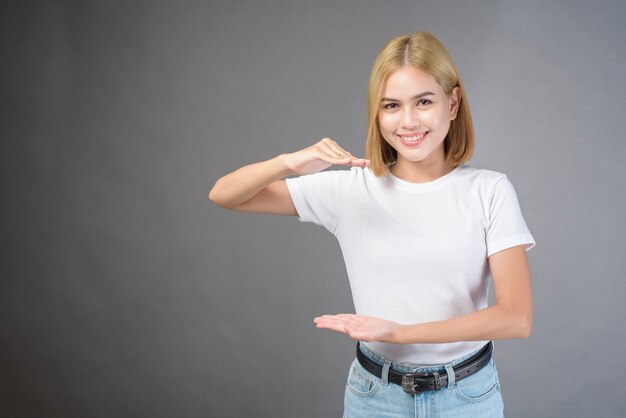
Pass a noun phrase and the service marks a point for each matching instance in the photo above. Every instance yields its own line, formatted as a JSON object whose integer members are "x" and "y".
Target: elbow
{"x": 525, "y": 327}
{"x": 215, "y": 198}
{"x": 218, "y": 202}
{"x": 519, "y": 322}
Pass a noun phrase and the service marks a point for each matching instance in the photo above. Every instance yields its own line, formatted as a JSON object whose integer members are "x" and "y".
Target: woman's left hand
{"x": 359, "y": 327}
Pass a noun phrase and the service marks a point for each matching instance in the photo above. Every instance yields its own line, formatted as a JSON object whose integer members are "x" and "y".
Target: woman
{"x": 420, "y": 230}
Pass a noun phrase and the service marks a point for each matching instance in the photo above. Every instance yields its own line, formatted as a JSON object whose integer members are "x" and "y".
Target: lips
{"x": 413, "y": 143}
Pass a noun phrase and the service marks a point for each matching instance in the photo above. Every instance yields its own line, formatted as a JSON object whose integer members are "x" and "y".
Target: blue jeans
{"x": 370, "y": 396}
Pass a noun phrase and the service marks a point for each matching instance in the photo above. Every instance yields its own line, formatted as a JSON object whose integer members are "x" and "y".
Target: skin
{"x": 511, "y": 316}
{"x": 407, "y": 114}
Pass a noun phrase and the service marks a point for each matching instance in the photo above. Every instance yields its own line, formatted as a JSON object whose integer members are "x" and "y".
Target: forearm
{"x": 496, "y": 322}
{"x": 243, "y": 183}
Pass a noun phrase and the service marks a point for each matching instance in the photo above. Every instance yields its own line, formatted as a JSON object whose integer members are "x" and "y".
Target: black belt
{"x": 423, "y": 381}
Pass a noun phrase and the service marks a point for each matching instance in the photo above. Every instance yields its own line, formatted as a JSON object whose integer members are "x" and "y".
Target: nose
{"x": 409, "y": 118}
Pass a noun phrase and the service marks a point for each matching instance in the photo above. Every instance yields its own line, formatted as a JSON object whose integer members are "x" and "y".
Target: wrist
{"x": 396, "y": 334}
{"x": 283, "y": 166}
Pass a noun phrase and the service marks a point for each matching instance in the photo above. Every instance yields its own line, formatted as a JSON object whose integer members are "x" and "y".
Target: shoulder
{"x": 481, "y": 174}
{"x": 480, "y": 177}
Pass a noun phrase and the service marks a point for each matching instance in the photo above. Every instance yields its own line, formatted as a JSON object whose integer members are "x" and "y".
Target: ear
{"x": 455, "y": 100}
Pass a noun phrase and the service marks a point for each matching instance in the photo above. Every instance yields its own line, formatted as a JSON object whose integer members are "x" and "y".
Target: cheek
{"x": 434, "y": 121}
{"x": 387, "y": 122}
{"x": 431, "y": 118}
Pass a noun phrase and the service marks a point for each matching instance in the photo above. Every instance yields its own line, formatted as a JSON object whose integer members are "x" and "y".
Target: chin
{"x": 413, "y": 158}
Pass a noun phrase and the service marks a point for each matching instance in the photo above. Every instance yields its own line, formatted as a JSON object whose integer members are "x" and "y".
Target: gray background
{"x": 125, "y": 292}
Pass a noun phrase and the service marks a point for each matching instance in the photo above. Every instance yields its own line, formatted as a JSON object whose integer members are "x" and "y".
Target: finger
{"x": 360, "y": 162}
{"x": 325, "y": 316}
{"x": 328, "y": 320}
{"x": 332, "y": 327}
{"x": 335, "y": 324}
{"x": 340, "y": 148}
{"x": 328, "y": 149}
{"x": 341, "y": 327}
{"x": 325, "y": 322}
{"x": 338, "y": 317}
{"x": 329, "y": 155}
{"x": 338, "y": 151}
{"x": 334, "y": 147}
{"x": 349, "y": 318}
{"x": 342, "y": 151}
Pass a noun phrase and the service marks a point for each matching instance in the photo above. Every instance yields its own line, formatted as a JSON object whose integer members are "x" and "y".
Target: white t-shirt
{"x": 415, "y": 252}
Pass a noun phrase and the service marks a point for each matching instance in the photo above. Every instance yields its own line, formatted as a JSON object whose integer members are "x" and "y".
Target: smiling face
{"x": 414, "y": 116}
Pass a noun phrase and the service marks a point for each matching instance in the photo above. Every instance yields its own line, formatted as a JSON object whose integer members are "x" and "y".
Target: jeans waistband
{"x": 407, "y": 369}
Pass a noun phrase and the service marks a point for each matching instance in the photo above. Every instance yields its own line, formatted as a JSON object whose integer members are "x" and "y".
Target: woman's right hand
{"x": 319, "y": 157}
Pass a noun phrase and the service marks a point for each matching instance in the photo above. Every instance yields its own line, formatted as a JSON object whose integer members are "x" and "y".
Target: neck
{"x": 419, "y": 171}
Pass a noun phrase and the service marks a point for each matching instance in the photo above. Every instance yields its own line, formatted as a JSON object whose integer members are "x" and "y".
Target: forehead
{"x": 408, "y": 81}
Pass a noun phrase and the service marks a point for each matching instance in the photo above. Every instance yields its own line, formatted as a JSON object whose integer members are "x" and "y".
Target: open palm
{"x": 359, "y": 327}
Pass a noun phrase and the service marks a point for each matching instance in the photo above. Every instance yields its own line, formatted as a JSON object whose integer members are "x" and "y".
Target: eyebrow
{"x": 417, "y": 96}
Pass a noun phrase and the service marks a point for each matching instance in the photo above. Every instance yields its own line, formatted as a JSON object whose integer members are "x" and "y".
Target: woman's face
{"x": 414, "y": 115}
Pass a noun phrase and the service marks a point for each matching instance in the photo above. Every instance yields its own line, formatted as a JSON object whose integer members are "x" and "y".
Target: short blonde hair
{"x": 424, "y": 51}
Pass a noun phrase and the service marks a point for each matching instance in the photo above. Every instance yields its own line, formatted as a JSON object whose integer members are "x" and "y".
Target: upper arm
{"x": 511, "y": 277}
{"x": 273, "y": 198}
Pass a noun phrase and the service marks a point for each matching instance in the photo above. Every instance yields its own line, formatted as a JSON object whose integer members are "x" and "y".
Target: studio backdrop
{"x": 126, "y": 293}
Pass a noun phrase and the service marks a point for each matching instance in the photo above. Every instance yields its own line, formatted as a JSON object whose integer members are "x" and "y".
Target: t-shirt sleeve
{"x": 506, "y": 226}
{"x": 319, "y": 197}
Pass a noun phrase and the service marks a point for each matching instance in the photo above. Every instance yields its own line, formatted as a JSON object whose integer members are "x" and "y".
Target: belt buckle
{"x": 410, "y": 385}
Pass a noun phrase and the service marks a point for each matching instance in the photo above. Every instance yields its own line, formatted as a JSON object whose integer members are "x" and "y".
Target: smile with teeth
{"x": 413, "y": 138}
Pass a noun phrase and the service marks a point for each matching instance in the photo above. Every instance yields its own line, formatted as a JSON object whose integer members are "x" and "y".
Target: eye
{"x": 390, "y": 104}
{"x": 424, "y": 102}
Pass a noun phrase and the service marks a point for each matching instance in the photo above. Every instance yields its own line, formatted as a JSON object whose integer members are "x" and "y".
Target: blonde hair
{"x": 421, "y": 50}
